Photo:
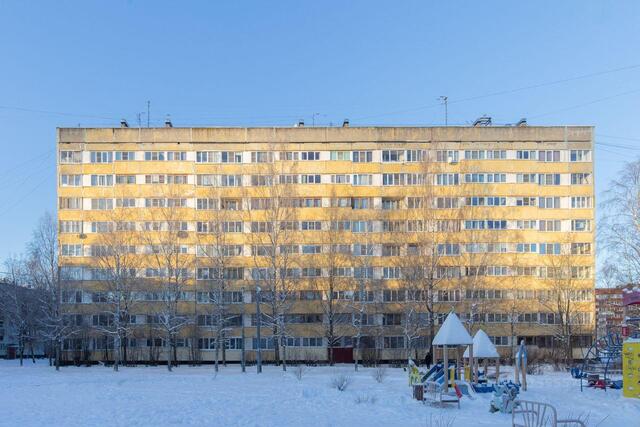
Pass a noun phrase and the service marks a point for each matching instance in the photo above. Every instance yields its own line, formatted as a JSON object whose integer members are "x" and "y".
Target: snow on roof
{"x": 483, "y": 348}
{"x": 452, "y": 332}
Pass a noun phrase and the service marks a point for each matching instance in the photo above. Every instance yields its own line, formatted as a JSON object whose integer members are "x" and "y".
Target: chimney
{"x": 123, "y": 123}
{"x": 167, "y": 122}
{"x": 345, "y": 123}
{"x": 300, "y": 123}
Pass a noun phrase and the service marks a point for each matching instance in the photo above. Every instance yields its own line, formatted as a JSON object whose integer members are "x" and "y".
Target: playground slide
{"x": 466, "y": 389}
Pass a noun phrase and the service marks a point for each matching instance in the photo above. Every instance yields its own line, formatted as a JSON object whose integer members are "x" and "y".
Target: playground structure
{"x": 602, "y": 365}
{"x": 447, "y": 382}
{"x": 483, "y": 350}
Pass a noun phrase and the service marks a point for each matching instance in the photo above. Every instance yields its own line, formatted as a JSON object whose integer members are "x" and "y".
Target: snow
{"x": 452, "y": 332}
{"x": 483, "y": 348}
{"x": 36, "y": 395}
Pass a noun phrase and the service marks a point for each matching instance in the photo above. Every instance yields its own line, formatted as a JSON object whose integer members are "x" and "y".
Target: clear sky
{"x": 89, "y": 63}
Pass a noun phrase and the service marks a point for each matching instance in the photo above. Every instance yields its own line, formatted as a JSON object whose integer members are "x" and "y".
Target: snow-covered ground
{"x": 37, "y": 395}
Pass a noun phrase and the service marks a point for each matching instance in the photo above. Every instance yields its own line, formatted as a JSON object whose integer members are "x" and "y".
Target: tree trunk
{"x": 169, "y": 354}
{"x": 21, "y": 350}
{"x": 356, "y": 353}
{"x": 217, "y": 352}
{"x": 58, "y": 354}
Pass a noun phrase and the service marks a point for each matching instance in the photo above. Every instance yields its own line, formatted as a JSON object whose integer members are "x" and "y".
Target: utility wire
{"x": 506, "y": 92}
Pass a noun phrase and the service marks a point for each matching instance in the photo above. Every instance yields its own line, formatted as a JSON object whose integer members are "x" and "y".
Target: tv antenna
{"x": 445, "y": 102}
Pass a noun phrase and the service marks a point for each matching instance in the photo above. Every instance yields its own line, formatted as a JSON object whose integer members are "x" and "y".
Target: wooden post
{"x": 472, "y": 365}
{"x": 497, "y": 370}
{"x": 446, "y": 368}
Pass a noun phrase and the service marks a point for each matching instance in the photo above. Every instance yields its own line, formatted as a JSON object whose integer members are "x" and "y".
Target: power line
{"x": 507, "y": 91}
{"x": 573, "y": 107}
{"x": 58, "y": 113}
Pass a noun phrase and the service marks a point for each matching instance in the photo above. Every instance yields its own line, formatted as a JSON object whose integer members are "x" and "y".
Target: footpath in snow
{"x": 37, "y": 395}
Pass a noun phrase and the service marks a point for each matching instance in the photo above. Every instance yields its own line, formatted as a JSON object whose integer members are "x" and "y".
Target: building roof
{"x": 452, "y": 332}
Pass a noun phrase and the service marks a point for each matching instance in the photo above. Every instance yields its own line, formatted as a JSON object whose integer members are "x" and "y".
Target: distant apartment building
{"x": 358, "y": 237}
{"x": 611, "y": 312}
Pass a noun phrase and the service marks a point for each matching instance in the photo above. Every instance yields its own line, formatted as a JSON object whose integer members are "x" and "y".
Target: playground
{"x": 36, "y": 395}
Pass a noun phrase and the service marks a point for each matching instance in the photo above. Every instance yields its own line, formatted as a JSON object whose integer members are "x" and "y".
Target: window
{"x": 448, "y": 249}
{"x": 526, "y": 201}
{"x": 219, "y": 180}
{"x": 361, "y": 226}
{"x": 581, "y": 202}
{"x": 289, "y": 155}
{"x": 340, "y": 179}
{"x": 391, "y": 319}
{"x": 261, "y": 180}
{"x": 311, "y": 225}
{"x": 101, "y": 180}
{"x": 70, "y": 227}
{"x": 391, "y": 204}
{"x": 101, "y": 204}
{"x": 526, "y": 155}
{"x": 390, "y": 250}
{"x": 581, "y": 248}
{"x": 580, "y": 225}
{"x": 154, "y": 156}
{"x": 549, "y": 156}
{"x": 207, "y": 204}
{"x": 485, "y": 201}
{"x": 526, "y": 178}
{"x": 362, "y": 157}
{"x": 68, "y": 157}
{"x": 526, "y": 248}
{"x": 391, "y": 273}
{"x": 124, "y": 156}
{"x": 71, "y": 250}
{"x": 101, "y": 156}
{"x": 261, "y": 157}
{"x": 580, "y": 155}
{"x": 447, "y": 179}
{"x": 414, "y": 155}
{"x": 310, "y": 179}
{"x": 361, "y": 203}
{"x": 101, "y": 227}
{"x": 580, "y": 178}
{"x": 500, "y": 341}
{"x": 232, "y": 227}
{"x": 550, "y": 225}
{"x": 363, "y": 179}
{"x": 126, "y": 203}
{"x": 550, "y": 248}
{"x": 311, "y": 249}
{"x": 549, "y": 202}
{"x": 310, "y": 155}
{"x": 450, "y": 156}
{"x": 549, "y": 179}
{"x": 71, "y": 180}
{"x": 70, "y": 203}
{"x": 341, "y": 155}
{"x": 392, "y": 155}
{"x": 447, "y": 203}
{"x": 125, "y": 179}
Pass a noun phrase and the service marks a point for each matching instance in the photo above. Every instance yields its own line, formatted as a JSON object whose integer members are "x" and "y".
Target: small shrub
{"x": 340, "y": 382}
{"x": 379, "y": 374}
{"x": 299, "y": 371}
{"x": 366, "y": 398}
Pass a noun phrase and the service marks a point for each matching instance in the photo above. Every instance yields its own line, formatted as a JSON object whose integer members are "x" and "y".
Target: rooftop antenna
{"x": 139, "y": 115}
{"x": 445, "y": 101}
{"x": 313, "y": 119}
{"x": 148, "y": 112}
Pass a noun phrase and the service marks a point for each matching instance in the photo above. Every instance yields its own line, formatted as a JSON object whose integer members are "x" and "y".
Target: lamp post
{"x": 242, "y": 354}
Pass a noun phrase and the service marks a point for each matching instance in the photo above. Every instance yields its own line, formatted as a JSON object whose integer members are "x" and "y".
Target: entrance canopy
{"x": 452, "y": 332}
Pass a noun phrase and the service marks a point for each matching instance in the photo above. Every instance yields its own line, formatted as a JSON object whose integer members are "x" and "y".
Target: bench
{"x": 537, "y": 414}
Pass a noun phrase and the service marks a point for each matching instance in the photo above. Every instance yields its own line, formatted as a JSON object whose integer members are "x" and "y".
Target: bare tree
{"x": 218, "y": 250}
{"x": 20, "y": 307}
{"x": 50, "y": 282}
{"x": 172, "y": 267}
{"x": 566, "y": 298}
{"x": 619, "y": 229}
{"x": 335, "y": 312}
{"x": 273, "y": 220}
{"x": 118, "y": 264}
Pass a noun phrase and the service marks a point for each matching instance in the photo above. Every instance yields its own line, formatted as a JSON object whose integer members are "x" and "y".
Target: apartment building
{"x": 352, "y": 237}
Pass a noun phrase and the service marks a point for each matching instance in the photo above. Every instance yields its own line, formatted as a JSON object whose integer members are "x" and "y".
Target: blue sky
{"x": 271, "y": 63}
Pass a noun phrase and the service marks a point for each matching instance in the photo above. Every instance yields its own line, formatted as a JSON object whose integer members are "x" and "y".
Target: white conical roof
{"x": 452, "y": 332}
{"x": 483, "y": 348}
